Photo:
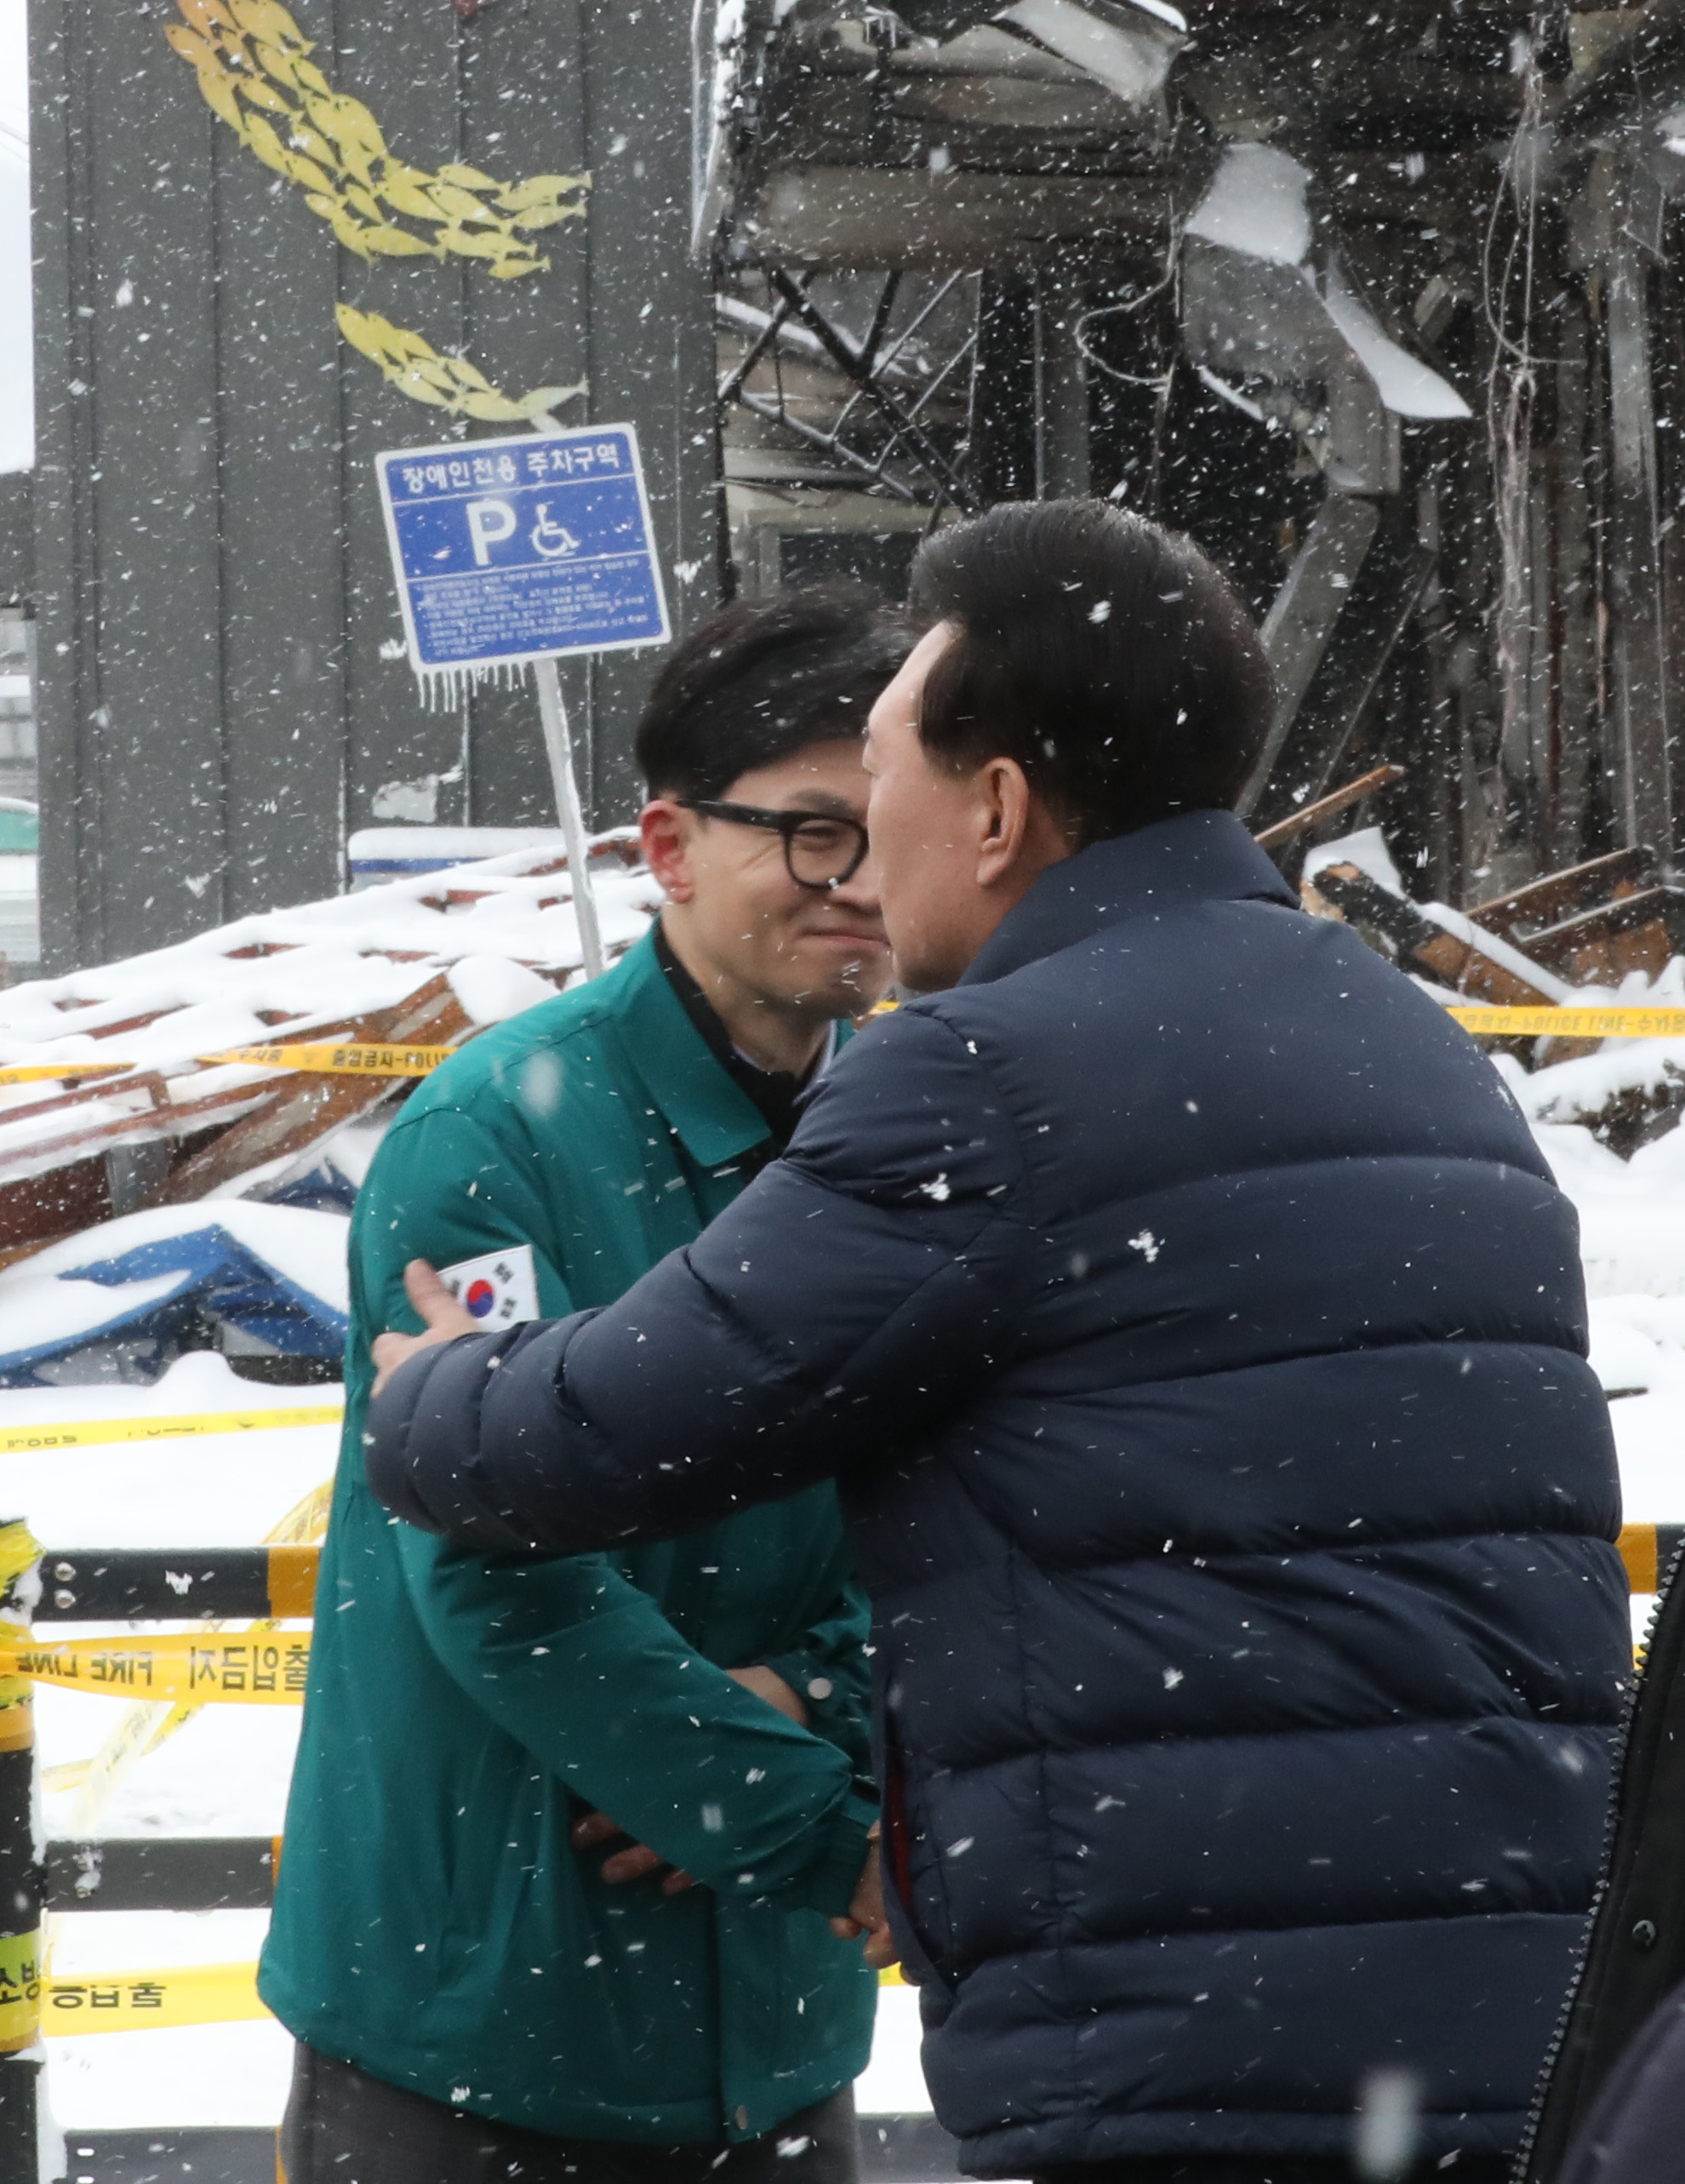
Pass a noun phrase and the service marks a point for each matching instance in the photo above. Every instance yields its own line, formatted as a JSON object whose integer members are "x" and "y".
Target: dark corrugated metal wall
{"x": 215, "y": 708}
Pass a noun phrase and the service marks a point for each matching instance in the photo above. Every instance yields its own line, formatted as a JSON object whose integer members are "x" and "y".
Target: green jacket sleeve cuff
{"x": 829, "y": 1883}
{"x": 836, "y": 1703}
{"x": 583, "y": 1670}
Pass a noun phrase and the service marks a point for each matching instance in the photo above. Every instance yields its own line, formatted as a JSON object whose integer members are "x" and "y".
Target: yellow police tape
{"x": 362, "y": 1059}
{"x": 352, "y": 1059}
{"x": 150, "y": 2001}
{"x": 179, "y": 1994}
{"x": 37, "y": 1072}
{"x": 176, "y": 1664}
{"x": 96, "y": 1433}
{"x": 19, "y": 1552}
{"x": 1567, "y": 1023}
{"x": 19, "y": 1991}
{"x": 146, "y": 1723}
{"x": 268, "y": 1666}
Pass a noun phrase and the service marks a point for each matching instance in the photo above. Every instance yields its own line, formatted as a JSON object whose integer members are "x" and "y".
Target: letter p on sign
{"x": 489, "y": 522}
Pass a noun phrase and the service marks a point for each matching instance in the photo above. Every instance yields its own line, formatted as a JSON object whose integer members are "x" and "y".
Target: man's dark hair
{"x": 1106, "y": 655}
{"x": 763, "y": 678}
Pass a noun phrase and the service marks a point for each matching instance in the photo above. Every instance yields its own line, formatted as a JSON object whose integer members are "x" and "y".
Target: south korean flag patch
{"x": 497, "y": 1291}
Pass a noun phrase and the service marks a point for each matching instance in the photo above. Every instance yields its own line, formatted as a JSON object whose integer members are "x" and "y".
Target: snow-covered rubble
{"x": 120, "y": 1292}
{"x": 426, "y": 961}
{"x": 479, "y": 924}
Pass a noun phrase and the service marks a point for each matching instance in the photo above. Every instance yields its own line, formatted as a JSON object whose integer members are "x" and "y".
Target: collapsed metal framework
{"x": 1384, "y": 308}
{"x": 882, "y": 432}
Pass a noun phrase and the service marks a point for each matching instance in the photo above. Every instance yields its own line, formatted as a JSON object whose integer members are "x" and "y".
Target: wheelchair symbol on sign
{"x": 552, "y": 541}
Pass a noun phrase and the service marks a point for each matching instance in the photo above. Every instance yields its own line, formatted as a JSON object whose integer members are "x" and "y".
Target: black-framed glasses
{"x": 819, "y": 850}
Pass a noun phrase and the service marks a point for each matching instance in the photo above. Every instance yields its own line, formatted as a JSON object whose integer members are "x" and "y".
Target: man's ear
{"x": 666, "y": 830}
{"x": 1020, "y": 836}
{"x": 1007, "y": 804}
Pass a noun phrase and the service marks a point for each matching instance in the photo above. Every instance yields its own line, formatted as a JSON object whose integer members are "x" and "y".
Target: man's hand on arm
{"x": 766, "y": 1683}
{"x": 866, "y": 1914}
{"x": 638, "y": 1859}
{"x": 633, "y": 1862}
{"x": 443, "y": 1318}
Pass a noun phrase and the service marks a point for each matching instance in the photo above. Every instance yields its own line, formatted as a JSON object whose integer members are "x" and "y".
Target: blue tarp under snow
{"x": 138, "y": 1291}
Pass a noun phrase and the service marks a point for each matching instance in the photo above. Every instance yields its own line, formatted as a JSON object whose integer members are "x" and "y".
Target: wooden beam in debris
{"x": 1329, "y": 807}
{"x": 149, "y": 1140}
{"x": 1596, "y": 922}
{"x": 1301, "y": 622}
{"x": 1640, "y": 931}
{"x": 1642, "y": 700}
{"x": 1546, "y": 902}
{"x": 164, "y": 1151}
{"x": 1422, "y": 945}
{"x": 1384, "y": 594}
{"x": 75, "y": 1180}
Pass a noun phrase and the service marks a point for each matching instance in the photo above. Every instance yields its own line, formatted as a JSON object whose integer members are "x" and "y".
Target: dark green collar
{"x": 713, "y": 1118}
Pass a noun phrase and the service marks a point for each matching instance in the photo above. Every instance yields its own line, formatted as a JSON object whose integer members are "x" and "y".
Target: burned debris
{"x": 1383, "y": 305}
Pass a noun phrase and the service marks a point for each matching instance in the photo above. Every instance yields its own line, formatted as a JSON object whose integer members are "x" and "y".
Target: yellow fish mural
{"x": 253, "y": 67}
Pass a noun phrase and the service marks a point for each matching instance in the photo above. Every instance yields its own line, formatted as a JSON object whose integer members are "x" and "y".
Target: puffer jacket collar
{"x": 1205, "y": 855}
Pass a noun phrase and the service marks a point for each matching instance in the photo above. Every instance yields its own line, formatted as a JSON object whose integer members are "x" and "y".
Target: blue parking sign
{"x": 522, "y": 549}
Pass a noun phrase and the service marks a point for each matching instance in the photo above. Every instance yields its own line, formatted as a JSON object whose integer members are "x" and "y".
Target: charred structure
{"x": 1383, "y": 305}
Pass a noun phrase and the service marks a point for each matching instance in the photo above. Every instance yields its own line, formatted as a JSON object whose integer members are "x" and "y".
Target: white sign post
{"x": 520, "y": 553}
{"x": 558, "y": 745}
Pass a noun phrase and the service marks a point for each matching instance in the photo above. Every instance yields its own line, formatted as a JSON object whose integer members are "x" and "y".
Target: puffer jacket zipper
{"x": 1629, "y": 1960}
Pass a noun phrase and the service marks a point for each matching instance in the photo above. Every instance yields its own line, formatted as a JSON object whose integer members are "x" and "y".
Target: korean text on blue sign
{"x": 522, "y": 549}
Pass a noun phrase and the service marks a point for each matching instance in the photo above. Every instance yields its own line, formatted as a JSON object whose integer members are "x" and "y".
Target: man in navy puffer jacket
{"x": 1198, "y": 1340}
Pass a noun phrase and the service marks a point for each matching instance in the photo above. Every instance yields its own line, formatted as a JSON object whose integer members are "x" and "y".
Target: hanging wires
{"x": 1160, "y": 384}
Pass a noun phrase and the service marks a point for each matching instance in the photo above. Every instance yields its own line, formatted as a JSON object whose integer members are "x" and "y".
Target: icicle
{"x": 450, "y": 689}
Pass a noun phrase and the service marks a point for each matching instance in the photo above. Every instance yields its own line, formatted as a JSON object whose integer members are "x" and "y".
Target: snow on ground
{"x": 1633, "y": 1244}
{"x": 211, "y": 1491}
{"x": 226, "y": 1772}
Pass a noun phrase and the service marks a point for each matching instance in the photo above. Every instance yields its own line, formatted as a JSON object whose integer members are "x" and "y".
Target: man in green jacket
{"x": 572, "y": 1845}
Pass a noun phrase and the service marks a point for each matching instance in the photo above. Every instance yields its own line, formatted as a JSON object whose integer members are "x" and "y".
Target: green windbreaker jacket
{"x": 431, "y": 1922}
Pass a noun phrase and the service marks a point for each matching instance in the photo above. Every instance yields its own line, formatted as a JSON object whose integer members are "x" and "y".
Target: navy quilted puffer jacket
{"x": 1199, "y": 1341}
